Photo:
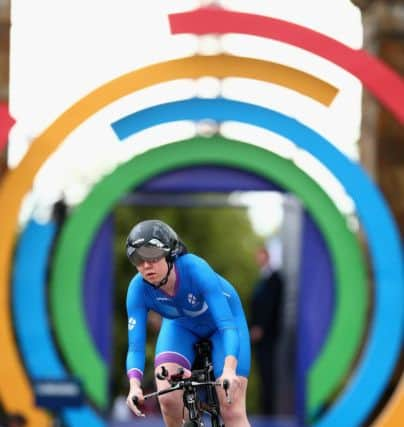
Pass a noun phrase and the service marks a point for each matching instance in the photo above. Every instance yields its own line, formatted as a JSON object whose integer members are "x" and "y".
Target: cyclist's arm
{"x": 135, "y": 359}
{"x": 230, "y": 363}
{"x": 137, "y": 317}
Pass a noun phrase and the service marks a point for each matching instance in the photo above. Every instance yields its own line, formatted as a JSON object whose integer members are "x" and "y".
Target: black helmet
{"x": 150, "y": 240}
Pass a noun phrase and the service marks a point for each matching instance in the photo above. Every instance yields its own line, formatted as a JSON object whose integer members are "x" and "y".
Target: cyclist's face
{"x": 153, "y": 271}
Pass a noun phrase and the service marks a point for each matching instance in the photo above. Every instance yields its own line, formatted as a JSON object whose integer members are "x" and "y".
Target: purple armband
{"x": 135, "y": 373}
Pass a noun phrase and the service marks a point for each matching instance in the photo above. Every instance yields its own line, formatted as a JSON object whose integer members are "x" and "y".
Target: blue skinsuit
{"x": 204, "y": 305}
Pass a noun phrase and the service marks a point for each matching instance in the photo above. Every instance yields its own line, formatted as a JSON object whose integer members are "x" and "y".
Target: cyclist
{"x": 195, "y": 302}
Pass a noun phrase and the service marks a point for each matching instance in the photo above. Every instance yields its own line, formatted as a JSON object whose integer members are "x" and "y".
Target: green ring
{"x": 80, "y": 228}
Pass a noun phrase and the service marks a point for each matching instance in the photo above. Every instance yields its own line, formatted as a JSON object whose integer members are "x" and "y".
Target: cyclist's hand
{"x": 182, "y": 373}
{"x": 135, "y": 400}
{"x": 234, "y": 383}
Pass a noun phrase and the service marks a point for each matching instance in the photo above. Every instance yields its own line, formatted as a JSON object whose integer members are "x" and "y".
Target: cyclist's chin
{"x": 153, "y": 278}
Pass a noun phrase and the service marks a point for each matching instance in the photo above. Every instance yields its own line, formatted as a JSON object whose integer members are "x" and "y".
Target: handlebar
{"x": 181, "y": 384}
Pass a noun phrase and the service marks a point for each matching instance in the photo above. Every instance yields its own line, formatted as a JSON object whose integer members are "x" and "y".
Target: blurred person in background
{"x": 195, "y": 303}
{"x": 265, "y": 327}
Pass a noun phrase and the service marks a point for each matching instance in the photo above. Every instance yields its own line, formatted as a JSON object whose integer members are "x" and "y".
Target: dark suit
{"x": 266, "y": 312}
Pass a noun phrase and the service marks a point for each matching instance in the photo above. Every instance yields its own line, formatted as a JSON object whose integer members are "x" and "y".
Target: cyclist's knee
{"x": 232, "y": 413}
{"x": 170, "y": 402}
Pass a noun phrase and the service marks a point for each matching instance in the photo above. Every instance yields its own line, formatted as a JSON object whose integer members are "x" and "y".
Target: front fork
{"x": 190, "y": 402}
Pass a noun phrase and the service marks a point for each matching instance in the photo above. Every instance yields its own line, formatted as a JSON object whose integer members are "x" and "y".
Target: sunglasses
{"x": 149, "y": 253}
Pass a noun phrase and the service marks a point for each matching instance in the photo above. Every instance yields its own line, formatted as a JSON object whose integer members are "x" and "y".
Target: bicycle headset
{"x": 152, "y": 240}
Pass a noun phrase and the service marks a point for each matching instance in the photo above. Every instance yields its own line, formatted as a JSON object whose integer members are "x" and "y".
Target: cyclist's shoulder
{"x": 136, "y": 284}
{"x": 191, "y": 261}
{"x": 137, "y": 278}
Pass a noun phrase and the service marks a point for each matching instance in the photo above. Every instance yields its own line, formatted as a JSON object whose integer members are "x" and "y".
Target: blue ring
{"x": 31, "y": 316}
{"x": 385, "y": 334}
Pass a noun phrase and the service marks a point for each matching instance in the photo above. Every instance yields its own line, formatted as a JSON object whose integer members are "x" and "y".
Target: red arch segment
{"x": 386, "y": 85}
{"x": 6, "y": 122}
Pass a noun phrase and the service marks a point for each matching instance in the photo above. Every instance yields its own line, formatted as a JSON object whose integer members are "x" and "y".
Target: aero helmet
{"x": 153, "y": 240}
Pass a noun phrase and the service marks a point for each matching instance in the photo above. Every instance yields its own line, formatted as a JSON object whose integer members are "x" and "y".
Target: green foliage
{"x": 222, "y": 236}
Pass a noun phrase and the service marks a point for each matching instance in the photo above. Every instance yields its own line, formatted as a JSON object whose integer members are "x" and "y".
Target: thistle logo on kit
{"x": 192, "y": 299}
{"x": 131, "y": 323}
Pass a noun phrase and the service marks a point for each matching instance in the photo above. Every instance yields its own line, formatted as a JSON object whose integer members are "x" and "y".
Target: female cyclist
{"x": 195, "y": 302}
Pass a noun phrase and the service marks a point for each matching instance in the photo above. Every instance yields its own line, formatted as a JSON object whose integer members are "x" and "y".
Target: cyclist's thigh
{"x": 244, "y": 356}
{"x": 175, "y": 344}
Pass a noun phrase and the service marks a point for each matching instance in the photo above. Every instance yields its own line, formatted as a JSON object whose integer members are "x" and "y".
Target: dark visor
{"x": 147, "y": 253}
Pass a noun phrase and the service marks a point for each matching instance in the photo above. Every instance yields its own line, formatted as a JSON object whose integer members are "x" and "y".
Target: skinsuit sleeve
{"x": 137, "y": 317}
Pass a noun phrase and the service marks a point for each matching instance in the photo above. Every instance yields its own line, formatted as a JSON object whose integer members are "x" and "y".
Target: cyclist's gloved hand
{"x": 135, "y": 400}
{"x": 233, "y": 383}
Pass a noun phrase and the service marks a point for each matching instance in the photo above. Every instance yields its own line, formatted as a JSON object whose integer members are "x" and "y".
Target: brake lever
{"x": 226, "y": 386}
{"x": 164, "y": 373}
